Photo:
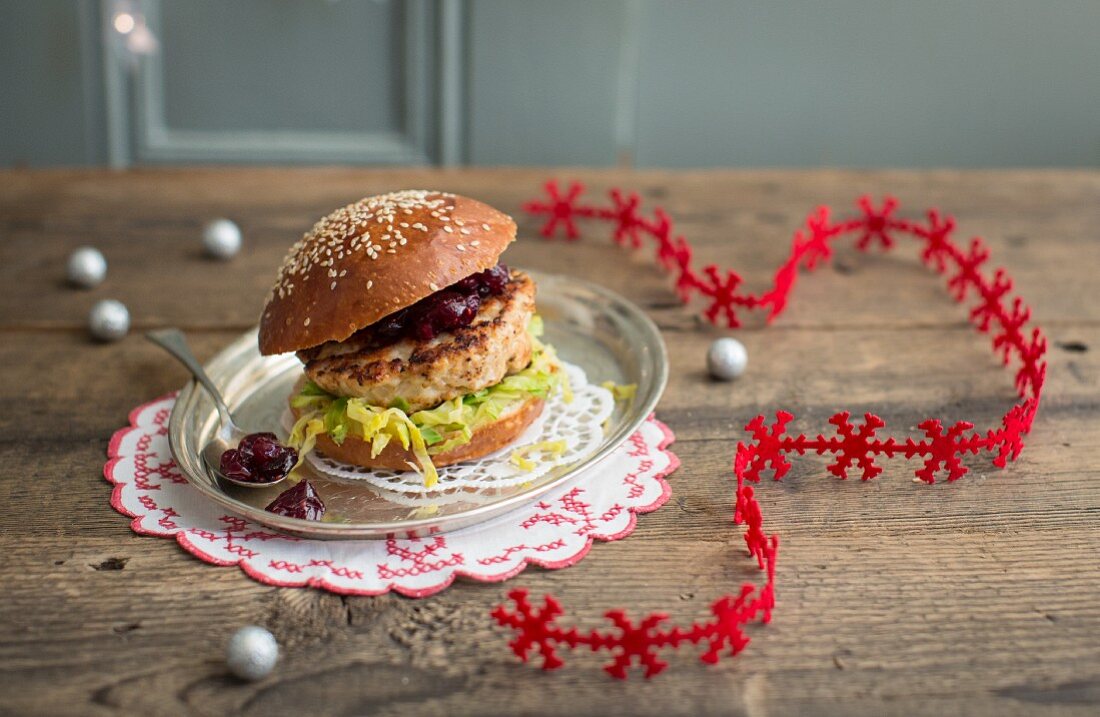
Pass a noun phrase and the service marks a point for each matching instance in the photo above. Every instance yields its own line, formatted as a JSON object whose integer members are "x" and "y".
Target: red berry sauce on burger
{"x": 445, "y": 310}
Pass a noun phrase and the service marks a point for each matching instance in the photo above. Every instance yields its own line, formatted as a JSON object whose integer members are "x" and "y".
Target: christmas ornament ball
{"x": 221, "y": 239}
{"x": 86, "y": 267}
{"x": 109, "y": 320}
{"x": 727, "y": 359}
{"x": 251, "y": 653}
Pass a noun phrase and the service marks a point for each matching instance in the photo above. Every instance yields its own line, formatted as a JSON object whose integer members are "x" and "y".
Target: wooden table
{"x": 981, "y": 597}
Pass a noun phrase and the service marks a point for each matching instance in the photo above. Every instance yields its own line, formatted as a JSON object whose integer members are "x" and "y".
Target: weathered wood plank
{"x": 862, "y": 624}
{"x": 895, "y": 598}
{"x": 148, "y": 224}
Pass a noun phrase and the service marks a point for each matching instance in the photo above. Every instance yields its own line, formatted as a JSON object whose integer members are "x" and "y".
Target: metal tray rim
{"x": 358, "y": 531}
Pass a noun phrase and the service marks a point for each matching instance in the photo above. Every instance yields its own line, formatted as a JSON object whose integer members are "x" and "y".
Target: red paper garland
{"x": 853, "y": 448}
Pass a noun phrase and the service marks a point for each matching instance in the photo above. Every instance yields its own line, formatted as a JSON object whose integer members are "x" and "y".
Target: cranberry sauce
{"x": 300, "y": 501}
{"x": 258, "y": 458}
{"x": 445, "y": 310}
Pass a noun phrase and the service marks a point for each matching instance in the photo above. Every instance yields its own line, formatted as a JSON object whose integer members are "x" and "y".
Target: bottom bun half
{"x": 485, "y": 440}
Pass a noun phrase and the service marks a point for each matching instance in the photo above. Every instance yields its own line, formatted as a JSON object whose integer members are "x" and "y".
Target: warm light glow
{"x": 124, "y": 23}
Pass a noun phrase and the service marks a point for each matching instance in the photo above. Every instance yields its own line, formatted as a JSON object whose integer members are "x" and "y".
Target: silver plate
{"x": 596, "y": 329}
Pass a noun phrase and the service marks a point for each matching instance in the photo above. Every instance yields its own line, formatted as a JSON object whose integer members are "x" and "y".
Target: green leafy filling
{"x": 428, "y": 432}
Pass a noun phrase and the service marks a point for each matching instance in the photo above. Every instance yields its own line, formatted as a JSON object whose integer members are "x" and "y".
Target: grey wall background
{"x": 651, "y": 83}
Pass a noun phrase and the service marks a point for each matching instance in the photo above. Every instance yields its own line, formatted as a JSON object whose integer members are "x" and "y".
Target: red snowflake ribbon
{"x": 853, "y": 448}
{"x": 538, "y": 632}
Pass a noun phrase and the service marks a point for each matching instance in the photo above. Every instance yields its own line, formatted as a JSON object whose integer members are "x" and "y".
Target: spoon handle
{"x": 173, "y": 341}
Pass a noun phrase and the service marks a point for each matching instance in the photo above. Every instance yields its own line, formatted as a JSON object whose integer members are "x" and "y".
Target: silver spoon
{"x": 229, "y": 434}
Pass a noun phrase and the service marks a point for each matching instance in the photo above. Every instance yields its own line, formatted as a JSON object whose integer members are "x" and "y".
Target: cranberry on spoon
{"x": 259, "y": 458}
{"x": 252, "y": 460}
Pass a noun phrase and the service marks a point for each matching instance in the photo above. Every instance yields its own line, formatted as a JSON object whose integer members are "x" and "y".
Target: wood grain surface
{"x": 981, "y": 597}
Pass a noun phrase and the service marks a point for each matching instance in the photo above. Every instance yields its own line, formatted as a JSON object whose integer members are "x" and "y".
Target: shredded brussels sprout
{"x": 621, "y": 391}
{"x": 521, "y": 456}
{"x": 428, "y": 432}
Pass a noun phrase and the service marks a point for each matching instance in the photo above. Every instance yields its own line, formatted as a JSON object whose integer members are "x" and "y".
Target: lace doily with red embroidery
{"x": 578, "y": 423}
{"x": 555, "y": 532}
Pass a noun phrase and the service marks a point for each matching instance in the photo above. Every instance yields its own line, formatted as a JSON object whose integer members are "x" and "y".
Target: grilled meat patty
{"x": 425, "y": 373}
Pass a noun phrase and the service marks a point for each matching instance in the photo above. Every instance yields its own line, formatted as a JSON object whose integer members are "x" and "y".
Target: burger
{"x": 419, "y": 348}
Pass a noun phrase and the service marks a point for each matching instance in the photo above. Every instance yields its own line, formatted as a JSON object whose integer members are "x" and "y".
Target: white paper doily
{"x": 579, "y": 423}
{"x": 555, "y": 532}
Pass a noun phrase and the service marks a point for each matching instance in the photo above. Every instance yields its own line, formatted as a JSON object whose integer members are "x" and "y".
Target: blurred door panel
{"x": 284, "y": 81}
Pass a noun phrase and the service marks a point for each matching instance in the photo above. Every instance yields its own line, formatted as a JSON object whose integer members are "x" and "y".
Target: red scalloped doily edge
{"x": 182, "y": 536}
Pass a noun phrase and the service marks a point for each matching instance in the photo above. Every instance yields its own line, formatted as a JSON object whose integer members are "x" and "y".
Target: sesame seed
{"x": 475, "y": 242}
{"x": 448, "y": 230}
{"x": 350, "y": 230}
{"x": 464, "y": 231}
{"x": 306, "y": 322}
{"x": 370, "y": 283}
{"x": 486, "y": 227}
{"x": 332, "y": 286}
{"x": 460, "y": 247}
{"x": 434, "y": 286}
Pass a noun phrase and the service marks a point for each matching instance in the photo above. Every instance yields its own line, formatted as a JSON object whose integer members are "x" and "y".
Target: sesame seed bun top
{"x": 374, "y": 257}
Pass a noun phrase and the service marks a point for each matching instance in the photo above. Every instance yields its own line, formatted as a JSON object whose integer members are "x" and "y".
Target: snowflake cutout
{"x": 1010, "y": 337}
{"x": 1033, "y": 369}
{"x": 938, "y": 247}
{"x": 626, "y": 217}
{"x": 991, "y": 295}
{"x": 856, "y": 446}
{"x": 969, "y": 270}
{"x": 943, "y": 449}
{"x": 635, "y": 641}
{"x": 722, "y": 291}
{"x": 563, "y": 210}
{"x": 534, "y": 626}
{"x": 816, "y": 247}
{"x": 1009, "y": 439}
{"x": 876, "y": 223}
{"x": 769, "y": 446}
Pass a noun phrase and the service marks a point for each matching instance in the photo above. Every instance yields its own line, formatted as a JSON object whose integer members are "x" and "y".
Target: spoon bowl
{"x": 229, "y": 433}
{"x": 222, "y": 442}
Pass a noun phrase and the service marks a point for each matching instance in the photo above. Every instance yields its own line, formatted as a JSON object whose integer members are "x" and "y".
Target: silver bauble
{"x": 109, "y": 320}
{"x": 252, "y": 653}
{"x": 86, "y": 267}
{"x": 221, "y": 239}
{"x": 727, "y": 359}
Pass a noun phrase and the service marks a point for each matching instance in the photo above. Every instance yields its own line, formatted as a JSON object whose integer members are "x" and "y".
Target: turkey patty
{"x": 425, "y": 373}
